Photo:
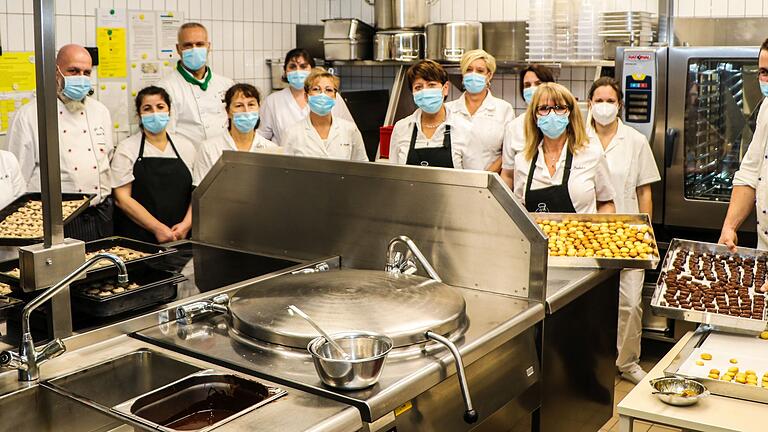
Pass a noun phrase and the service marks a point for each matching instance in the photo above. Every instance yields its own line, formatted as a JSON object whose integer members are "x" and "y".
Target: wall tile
{"x": 719, "y": 8}
{"x": 753, "y": 8}
{"x": 736, "y": 8}
{"x": 703, "y": 8}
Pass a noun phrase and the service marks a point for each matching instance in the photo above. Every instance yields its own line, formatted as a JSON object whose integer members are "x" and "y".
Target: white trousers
{"x": 630, "y": 328}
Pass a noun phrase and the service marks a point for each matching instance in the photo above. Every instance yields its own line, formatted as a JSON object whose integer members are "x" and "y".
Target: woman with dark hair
{"x": 287, "y": 107}
{"x": 152, "y": 175}
{"x": 242, "y": 105}
{"x": 514, "y": 139}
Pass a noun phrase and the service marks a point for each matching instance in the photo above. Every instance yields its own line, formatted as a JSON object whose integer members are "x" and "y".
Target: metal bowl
{"x": 685, "y": 391}
{"x": 367, "y": 351}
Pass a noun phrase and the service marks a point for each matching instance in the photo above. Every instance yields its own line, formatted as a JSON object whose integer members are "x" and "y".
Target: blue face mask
{"x": 321, "y": 104}
{"x": 474, "y": 83}
{"x": 528, "y": 94}
{"x": 155, "y": 122}
{"x": 245, "y": 121}
{"x": 553, "y": 125}
{"x": 429, "y": 100}
{"x": 764, "y": 88}
{"x": 194, "y": 58}
{"x": 76, "y": 87}
{"x": 296, "y": 78}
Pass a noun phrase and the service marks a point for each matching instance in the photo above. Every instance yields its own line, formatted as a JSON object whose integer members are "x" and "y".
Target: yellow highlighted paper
{"x": 17, "y": 71}
{"x": 113, "y": 52}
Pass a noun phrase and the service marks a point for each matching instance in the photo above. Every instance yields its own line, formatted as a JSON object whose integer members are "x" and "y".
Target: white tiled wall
{"x": 721, "y": 8}
{"x": 244, "y": 33}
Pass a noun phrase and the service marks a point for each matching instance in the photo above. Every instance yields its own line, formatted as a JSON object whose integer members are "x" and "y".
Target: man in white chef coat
{"x": 197, "y": 94}
{"x": 85, "y": 143}
{"x": 750, "y": 183}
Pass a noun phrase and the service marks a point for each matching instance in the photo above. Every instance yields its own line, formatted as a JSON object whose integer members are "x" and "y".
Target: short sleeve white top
{"x": 461, "y": 137}
{"x": 127, "y": 153}
{"x": 514, "y": 142}
{"x": 344, "y": 141}
{"x": 210, "y": 152}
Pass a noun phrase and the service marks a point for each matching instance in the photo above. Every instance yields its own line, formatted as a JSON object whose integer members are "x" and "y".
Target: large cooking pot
{"x": 449, "y": 41}
{"x": 399, "y": 45}
{"x": 401, "y": 14}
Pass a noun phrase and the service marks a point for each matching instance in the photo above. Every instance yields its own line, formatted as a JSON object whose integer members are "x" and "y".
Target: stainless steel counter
{"x": 565, "y": 285}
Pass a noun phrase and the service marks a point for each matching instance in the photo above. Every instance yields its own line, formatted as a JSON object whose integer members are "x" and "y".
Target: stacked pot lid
{"x": 400, "y": 29}
{"x": 402, "y": 307}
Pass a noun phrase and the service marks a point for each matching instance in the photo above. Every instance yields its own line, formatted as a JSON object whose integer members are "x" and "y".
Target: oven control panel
{"x": 638, "y": 81}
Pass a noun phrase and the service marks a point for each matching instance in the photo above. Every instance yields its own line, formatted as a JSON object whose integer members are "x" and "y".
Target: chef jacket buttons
{"x": 95, "y": 167}
{"x": 64, "y": 131}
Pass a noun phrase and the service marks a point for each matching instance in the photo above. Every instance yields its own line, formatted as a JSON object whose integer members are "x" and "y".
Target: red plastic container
{"x": 385, "y": 135}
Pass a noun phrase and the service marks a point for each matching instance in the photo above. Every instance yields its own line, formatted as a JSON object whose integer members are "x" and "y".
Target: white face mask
{"x": 605, "y": 113}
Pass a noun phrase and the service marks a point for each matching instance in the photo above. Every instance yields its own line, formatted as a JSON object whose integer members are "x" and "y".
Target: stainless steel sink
{"x": 117, "y": 380}
{"x": 40, "y": 409}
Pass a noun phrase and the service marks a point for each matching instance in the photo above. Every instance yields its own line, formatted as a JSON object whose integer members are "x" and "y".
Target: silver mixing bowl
{"x": 367, "y": 351}
{"x": 694, "y": 390}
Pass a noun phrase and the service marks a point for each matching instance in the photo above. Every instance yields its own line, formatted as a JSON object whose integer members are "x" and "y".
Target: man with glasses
{"x": 197, "y": 94}
{"x": 85, "y": 144}
{"x": 321, "y": 134}
{"x": 284, "y": 108}
{"x": 750, "y": 183}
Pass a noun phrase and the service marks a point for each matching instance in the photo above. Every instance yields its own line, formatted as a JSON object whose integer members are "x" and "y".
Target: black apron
{"x": 163, "y": 186}
{"x": 431, "y": 156}
{"x": 553, "y": 199}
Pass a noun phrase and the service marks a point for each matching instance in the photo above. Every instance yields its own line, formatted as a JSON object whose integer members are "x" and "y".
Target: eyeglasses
{"x": 330, "y": 91}
{"x": 544, "y": 110}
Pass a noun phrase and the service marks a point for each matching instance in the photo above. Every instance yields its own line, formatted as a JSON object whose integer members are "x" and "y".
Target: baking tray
{"x": 743, "y": 348}
{"x": 602, "y": 262}
{"x": 156, "y": 286}
{"x": 720, "y": 321}
{"x": 8, "y": 305}
{"x": 22, "y": 200}
{"x": 156, "y": 252}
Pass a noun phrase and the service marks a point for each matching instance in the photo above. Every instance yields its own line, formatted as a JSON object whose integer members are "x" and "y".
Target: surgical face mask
{"x": 296, "y": 78}
{"x": 474, "y": 82}
{"x": 764, "y": 88}
{"x": 245, "y": 121}
{"x": 194, "y": 58}
{"x": 528, "y": 94}
{"x": 553, "y": 125}
{"x": 76, "y": 87}
{"x": 429, "y": 100}
{"x": 605, "y": 113}
{"x": 155, "y": 122}
{"x": 321, "y": 104}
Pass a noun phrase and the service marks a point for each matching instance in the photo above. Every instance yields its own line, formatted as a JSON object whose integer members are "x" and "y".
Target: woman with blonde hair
{"x": 322, "y": 134}
{"x": 489, "y": 115}
{"x": 560, "y": 169}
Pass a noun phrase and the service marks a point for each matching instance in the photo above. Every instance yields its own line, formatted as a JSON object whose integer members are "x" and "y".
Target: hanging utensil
{"x": 292, "y": 309}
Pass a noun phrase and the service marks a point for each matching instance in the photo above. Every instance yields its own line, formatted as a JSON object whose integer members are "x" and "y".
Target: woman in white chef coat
{"x": 12, "y": 186}
{"x": 286, "y": 107}
{"x": 514, "y": 139}
{"x": 433, "y": 135}
{"x": 321, "y": 134}
{"x": 242, "y": 104}
{"x": 632, "y": 170}
{"x": 489, "y": 115}
{"x": 152, "y": 175}
{"x": 561, "y": 170}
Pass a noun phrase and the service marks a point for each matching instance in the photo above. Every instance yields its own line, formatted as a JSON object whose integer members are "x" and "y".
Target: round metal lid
{"x": 402, "y": 307}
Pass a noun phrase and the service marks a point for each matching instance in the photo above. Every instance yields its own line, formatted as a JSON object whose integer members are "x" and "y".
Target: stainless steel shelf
{"x": 507, "y": 64}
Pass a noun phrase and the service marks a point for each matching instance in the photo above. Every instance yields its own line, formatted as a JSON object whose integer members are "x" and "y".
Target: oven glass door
{"x": 722, "y": 103}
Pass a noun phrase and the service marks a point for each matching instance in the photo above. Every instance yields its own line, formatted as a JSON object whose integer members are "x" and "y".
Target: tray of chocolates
{"x": 709, "y": 284}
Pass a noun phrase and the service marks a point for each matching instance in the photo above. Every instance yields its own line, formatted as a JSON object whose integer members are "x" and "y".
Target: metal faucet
{"x": 29, "y": 359}
{"x": 399, "y": 263}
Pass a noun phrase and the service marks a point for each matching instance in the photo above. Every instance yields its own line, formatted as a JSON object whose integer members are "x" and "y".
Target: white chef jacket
{"x": 127, "y": 153}
{"x": 489, "y": 123}
{"x": 196, "y": 114}
{"x": 753, "y": 172}
{"x": 85, "y": 148}
{"x": 514, "y": 142}
{"x": 211, "y": 150}
{"x": 631, "y": 163}
{"x": 590, "y": 178}
{"x": 280, "y": 111}
{"x": 12, "y": 186}
{"x": 344, "y": 141}
{"x": 461, "y": 137}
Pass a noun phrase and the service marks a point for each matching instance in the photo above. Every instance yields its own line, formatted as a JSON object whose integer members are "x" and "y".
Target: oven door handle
{"x": 670, "y": 137}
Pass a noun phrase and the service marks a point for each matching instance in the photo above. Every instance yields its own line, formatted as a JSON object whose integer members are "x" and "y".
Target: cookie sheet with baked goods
{"x": 599, "y": 240}
{"x": 707, "y": 283}
{"x": 21, "y": 221}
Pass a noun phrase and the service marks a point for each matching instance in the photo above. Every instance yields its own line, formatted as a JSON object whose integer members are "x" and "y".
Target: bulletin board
{"x": 17, "y": 84}
{"x": 136, "y": 49}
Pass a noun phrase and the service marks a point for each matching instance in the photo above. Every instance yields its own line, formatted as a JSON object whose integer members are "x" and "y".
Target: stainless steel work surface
{"x": 400, "y": 306}
{"x": 564, "y": 285}
{"x": 493, "y": 320}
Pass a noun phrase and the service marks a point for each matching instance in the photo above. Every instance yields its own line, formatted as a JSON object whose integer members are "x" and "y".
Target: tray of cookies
{"x": 707, "y": 283}
{"x": 104, "y": 297}
{"x": 599, "y": 240}
{"x": 21, "y": 222}
{"x": 7, "y": 304}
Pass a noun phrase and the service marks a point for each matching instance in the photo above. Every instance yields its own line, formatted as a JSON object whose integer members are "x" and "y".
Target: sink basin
{"x": 117, "y": 380}
{"x": 40, "y": 409}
